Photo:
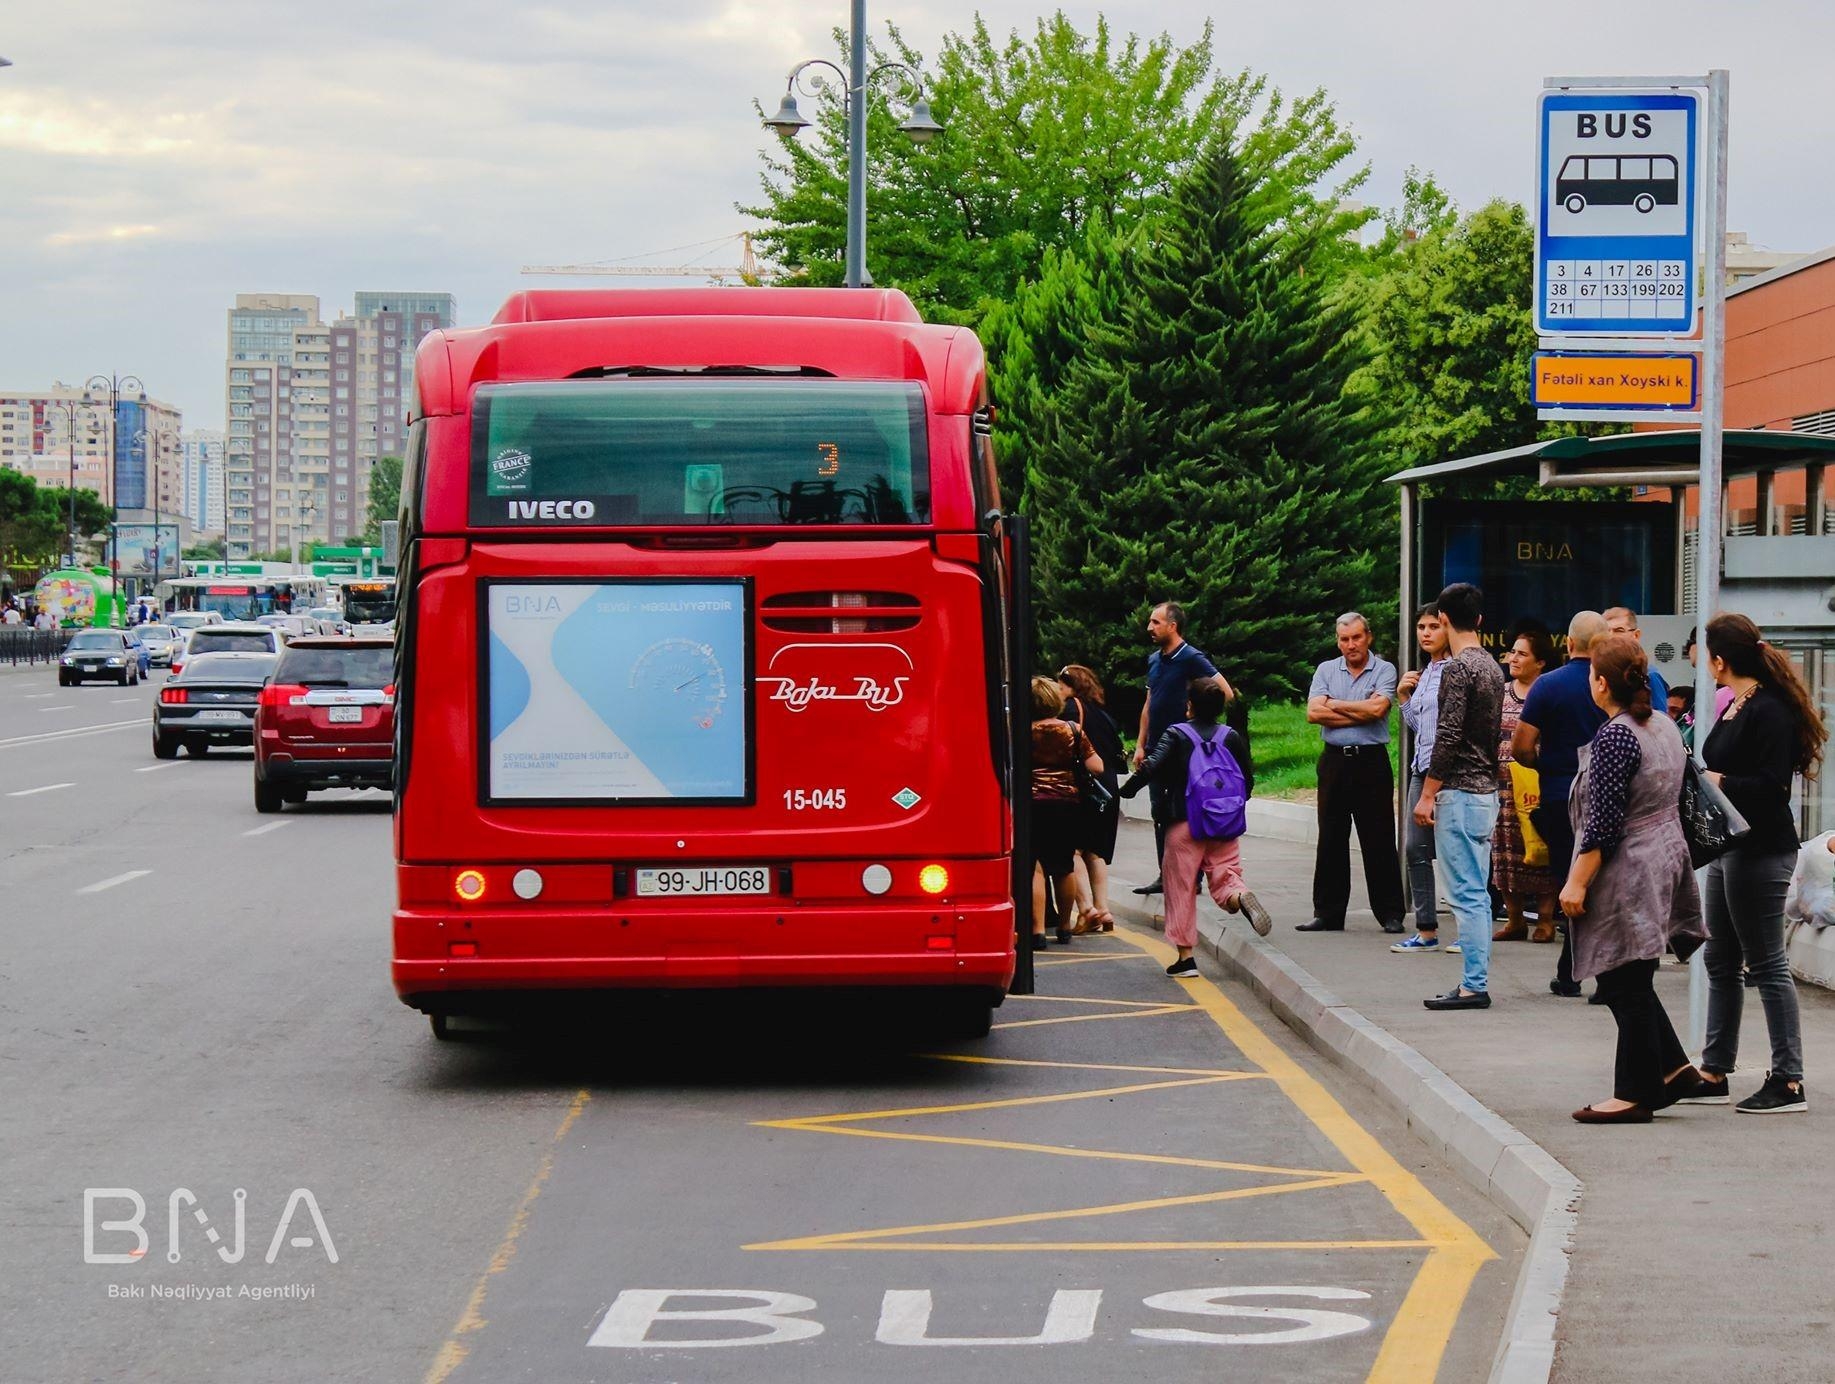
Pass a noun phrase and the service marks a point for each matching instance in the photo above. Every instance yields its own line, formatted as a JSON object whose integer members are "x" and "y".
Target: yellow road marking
{"x": 855, "y": 1238}
{"x": 1079, "y": 960}
{"x": 1097, "y": 1018}
{"x": 453, "y": 1352}
{"x": 1107, "y": 1246}
{"x": 1416, "y": 1340}
{"x": 1091, "y": 999}
{"x": 1080, "y": 1066}
{"x": 854, "y": 1117}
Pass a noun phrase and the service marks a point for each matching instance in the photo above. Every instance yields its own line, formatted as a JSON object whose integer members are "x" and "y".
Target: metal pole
{"x": 1709, "y": 524}
{"x": 70, "y": 417}
{"x": 857, "y": 146}
{"x": 1404, "y": 654}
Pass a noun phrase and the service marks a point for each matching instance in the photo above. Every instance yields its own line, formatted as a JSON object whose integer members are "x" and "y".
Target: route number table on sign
{"x": 1645, "y": 289}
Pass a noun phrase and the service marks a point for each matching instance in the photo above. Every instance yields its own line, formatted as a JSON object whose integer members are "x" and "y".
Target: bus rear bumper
{"x": 439, "y": 953}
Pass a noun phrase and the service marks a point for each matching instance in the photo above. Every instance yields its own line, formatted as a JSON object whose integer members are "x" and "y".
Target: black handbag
{"x": 1711, "y": 823}
{"x": 1096, "y": 794}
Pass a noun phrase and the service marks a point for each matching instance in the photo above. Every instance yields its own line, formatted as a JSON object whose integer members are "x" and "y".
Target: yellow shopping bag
{"x": 1526, "y": 790}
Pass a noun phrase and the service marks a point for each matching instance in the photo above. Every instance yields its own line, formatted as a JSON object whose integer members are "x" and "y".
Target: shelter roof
{"x": 1643, "y": 458}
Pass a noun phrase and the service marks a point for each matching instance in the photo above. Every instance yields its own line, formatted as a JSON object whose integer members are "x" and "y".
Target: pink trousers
{"x": 1221, "y": 862}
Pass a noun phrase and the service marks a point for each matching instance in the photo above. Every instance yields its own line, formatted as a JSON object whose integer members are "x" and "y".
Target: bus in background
{"x": 242, "y": 597}
{"x": 704, "y": 656}
{"x": 368, "y": 601}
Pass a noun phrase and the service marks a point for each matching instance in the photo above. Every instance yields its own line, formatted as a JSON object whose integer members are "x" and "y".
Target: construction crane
{"x": 749, "y": 269}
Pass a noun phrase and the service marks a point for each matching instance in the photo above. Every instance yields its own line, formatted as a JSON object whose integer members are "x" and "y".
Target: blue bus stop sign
{"x": 1616, "y": 213}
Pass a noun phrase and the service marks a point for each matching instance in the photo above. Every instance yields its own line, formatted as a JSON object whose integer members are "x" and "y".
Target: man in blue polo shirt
{"x": 1623, "y": 620}
{"x": 1349, "y": 702}
{"x": 1172, "y": 668}
{"x": 1558, "y": 717}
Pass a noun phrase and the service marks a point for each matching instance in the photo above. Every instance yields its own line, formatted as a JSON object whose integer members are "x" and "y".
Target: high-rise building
{"x": 203, "y": 480}
{"x": 131, "y": 461}
{"x": 258, "y": 449}
{"x": 372, "y": 386}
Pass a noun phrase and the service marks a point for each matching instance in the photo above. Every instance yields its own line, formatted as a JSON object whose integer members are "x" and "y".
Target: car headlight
{"x": 67, "y": 660}
{"x": 117, "y": 660}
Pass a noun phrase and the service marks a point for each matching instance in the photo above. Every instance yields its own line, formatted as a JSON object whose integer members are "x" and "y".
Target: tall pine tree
{"x": 1204, "y": 448}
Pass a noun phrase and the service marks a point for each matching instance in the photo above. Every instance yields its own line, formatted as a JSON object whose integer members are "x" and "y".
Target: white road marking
{"x": 38, "y": 696}
{"x": 70, "y": 734}
{"x": 122, "y": 701}
{"x": 154, "y": 768}
{"x": 47, "y": 788}
{"x": 68, "y": 706}
{"x": 100, "y": 885}
{"x": 264, "y": 830}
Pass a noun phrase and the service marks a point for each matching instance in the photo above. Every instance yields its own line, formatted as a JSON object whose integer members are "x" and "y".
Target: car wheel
{"x": 123, "y": 679}
{"x": 267, "y": 796}
{"x": 964, "y": 1016}
{"x": 198, "y": 746}
{"x": 63, "y": 679}
{"x": 165, "y": 746}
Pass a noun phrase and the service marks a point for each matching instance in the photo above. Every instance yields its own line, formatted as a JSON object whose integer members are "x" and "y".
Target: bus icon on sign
{"x": 1642, "y": 182}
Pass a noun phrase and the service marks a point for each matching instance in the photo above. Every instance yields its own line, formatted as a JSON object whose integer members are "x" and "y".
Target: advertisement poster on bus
{"x": 145, "y": 550}
{"x": 622, "y": 691}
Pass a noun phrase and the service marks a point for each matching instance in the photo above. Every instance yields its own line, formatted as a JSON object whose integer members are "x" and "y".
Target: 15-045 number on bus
{"x": 815, "y": 799}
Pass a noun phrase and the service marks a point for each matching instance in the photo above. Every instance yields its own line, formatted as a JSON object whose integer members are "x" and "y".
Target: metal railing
{"x": 21, "y": 645}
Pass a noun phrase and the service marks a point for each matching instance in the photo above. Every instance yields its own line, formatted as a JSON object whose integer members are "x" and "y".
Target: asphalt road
{"x": 1132, "y": 1175}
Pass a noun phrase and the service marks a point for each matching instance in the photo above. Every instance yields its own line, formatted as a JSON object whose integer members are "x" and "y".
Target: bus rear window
{"x": 667, "y": 453}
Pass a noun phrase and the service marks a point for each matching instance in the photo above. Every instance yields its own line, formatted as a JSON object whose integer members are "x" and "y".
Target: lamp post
{"x": 920, "y": 125}
{"x": 70, "y": 407}
{"x": 114, "y": 386}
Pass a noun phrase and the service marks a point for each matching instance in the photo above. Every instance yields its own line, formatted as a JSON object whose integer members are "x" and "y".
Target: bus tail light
{"x": 468, "y": 885}
{"x": 933, "y": 879}
{"x": 173, "y": 696}
{"x": 279, "y": 694}
{"x": 462, "y": 949}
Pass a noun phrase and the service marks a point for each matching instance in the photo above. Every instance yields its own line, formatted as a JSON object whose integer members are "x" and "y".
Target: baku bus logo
{"x": 875, "y": 675}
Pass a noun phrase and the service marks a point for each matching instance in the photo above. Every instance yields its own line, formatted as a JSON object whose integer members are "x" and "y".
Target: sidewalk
{"x": 1700, "y": 1252}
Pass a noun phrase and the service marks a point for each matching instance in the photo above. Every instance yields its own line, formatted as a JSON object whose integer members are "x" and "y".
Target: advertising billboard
{"x": 617, "y": 692}
{"x": 146, "y": 550}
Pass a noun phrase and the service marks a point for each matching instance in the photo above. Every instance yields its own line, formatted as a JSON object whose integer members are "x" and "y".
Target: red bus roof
{"x": 848, "y": 333}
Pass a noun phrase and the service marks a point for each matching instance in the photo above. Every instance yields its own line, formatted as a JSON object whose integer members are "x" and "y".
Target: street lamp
{"x": 115, "y": 386}
{"x": 920, "y": 126}
{"x": 70, "y": 407}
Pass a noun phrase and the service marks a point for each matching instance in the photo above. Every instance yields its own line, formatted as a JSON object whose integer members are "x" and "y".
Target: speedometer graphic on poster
{"x": 682, "y": 678}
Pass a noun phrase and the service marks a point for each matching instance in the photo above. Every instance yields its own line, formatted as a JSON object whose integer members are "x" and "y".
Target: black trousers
{"x": 1648, "y": 1049}
{"x": 1356, "y": 790}
{"x": 1551, "y": 820}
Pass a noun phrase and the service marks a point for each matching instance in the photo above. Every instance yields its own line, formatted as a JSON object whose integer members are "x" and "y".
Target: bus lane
{"x": 1130, "y": 1174}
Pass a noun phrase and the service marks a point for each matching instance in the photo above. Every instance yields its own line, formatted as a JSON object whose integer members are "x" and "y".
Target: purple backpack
{"x": 1216, "y": 795}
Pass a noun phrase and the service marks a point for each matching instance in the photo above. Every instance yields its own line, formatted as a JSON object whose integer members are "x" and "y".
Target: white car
{"x": 227, "y": 637}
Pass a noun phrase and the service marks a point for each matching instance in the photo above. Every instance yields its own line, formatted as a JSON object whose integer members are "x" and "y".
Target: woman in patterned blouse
{"x": 1630, "y": 890}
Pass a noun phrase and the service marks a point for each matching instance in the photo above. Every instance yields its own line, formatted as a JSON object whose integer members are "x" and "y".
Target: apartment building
{"x": 311, "y": 406}
{"x": 202, "y": 481}
{"x": 64, "y": 434}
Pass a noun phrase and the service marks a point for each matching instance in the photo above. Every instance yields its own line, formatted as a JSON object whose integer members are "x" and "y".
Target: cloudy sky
{"x": 158, "y": 158}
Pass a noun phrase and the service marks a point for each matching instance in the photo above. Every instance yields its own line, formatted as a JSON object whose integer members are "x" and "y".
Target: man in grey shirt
{"x": 1459, "y": 794}
{"x": 1349, "y": 702}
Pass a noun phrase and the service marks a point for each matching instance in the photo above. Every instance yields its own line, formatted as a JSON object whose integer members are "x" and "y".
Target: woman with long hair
{"x": 1057, "y": 751}
{"x": 1086, "y": 706}
{"x": 1521, "y": 883}
{"x": 1630, "y": 891}
{"x": 1770, "y": 732}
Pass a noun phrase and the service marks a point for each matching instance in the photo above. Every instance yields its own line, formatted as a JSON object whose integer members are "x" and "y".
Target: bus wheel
{"x": 1645, "y": 202}
{"x": 267, "y": 797}
{"x": 165, "y": 747}
{"x": 441, "y": 1030}
{"x": 1575, "y": 203}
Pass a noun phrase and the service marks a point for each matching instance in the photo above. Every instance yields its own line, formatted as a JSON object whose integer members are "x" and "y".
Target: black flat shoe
{"x": 1631, "y": 1114}
{"x": 1694, "y": 1087}
{"x": 1064, "y": 936}
{"x": 1155, "y": 888}
{"x": 1567, "y": 989}
{"x": 1454, "y": 999}
{"x": 1317, "y": 925}
{"x": 1039, "y": 941}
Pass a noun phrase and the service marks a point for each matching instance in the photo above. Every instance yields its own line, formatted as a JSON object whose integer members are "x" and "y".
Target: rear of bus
{"x": 701, "y": 655}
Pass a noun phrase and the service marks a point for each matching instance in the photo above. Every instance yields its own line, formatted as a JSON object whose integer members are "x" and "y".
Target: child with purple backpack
{"x": 1205, "y": 759}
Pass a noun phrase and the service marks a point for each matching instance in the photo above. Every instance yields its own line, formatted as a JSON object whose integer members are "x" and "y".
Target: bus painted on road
{"x": 703, "y": 654}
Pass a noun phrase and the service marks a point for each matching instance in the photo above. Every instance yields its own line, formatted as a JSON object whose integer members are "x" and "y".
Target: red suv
{"x": 327, "y": 720}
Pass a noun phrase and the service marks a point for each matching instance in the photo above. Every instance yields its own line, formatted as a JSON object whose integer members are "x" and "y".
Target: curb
{"x": 1504, "y": 1165}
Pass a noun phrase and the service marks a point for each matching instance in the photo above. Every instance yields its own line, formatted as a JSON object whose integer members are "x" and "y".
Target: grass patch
{"x": 1286, "y": 748}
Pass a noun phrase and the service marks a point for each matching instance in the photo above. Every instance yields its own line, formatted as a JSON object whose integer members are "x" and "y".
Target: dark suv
{"x": 327, "y": 720}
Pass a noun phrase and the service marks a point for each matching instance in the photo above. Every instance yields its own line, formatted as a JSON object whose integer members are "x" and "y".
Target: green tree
{"x": 34, "y": 520}
{"x": 1206, "y": 446}
{"x": 385, "y": 497}
{"x": 1043, "y": 135}
{"x": 212, "y": 549}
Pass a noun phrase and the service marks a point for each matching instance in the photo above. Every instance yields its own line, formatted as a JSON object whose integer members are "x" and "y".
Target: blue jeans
{"x": 1419, "y": 853}
{"x": 1462, "y": 840}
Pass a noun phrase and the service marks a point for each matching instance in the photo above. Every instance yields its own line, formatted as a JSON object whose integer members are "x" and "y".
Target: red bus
{"x": 705, "y": 655}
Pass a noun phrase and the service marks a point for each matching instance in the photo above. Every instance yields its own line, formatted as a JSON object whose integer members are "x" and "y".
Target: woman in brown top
{"x": 1523, "y": 885}
{"x": 1630, "y": 890}
{"x": 1058, "y": 748}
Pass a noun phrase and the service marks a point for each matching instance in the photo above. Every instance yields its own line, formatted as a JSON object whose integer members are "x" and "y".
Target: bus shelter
{"x": 1778, "y": 563}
